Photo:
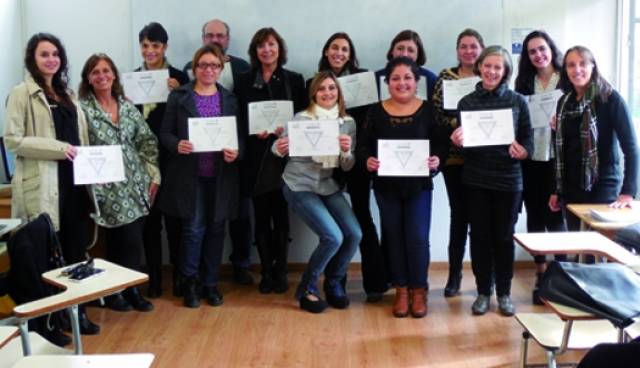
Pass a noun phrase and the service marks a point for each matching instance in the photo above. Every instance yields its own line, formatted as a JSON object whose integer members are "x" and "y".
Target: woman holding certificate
{"x": 153, "y": 40}
{"x": 113, "y": 120}
{"x": 339, "y": 57}
{"x": 404, "y": 201}
{"x": 592, "y": 125}
{"x": 497, "y": 136}
{"x": 200, "y": 188}
{"x": 262, "y": 170}
{"x": 312, "y": 192}
{"x": 43, "y": 126}
{"x": 538, "y": 75}
{"x": 409, "y": 44}
{"x": 468, "y": 47}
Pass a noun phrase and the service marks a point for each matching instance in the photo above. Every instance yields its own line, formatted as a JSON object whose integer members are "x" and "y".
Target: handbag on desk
{"x": 607, "y": 290}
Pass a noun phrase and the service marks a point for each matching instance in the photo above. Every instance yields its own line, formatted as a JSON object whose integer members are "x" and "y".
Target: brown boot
{"x": 401, "y": 304}
{"x": 418, "y": 302}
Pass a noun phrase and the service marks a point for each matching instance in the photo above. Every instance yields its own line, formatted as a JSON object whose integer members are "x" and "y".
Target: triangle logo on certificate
{"x": 403, "y": 157}
{"x": 313, "y": 137}
{"x": 270, "y": 115}
{"x": 212, "y": 133}
{"x": 487, "y": 127}
{"x": 146, "y": 86}
{"x": 97, "y": 163}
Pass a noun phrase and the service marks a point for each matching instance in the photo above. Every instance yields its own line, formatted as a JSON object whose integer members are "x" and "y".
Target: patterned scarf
{"x": 585, "y": 110}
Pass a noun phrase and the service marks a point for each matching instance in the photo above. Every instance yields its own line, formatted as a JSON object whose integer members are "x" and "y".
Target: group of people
{"x": 575, "y": 158}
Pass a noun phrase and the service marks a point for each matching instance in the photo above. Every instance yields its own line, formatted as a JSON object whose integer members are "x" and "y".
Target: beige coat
{"x": 29, "y": 133}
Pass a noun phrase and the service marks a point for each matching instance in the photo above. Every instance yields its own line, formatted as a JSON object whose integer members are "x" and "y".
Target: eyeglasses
{"x": 213, "y": 36}
{"x": 212, "y": 66}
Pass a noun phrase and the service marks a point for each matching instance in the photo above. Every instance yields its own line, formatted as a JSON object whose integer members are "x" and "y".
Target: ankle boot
{"x": 189, "y": 289}
{"x": 154, "y": 289}
{"x": 86, "y": 326}
{"x": 418, "y": 302}
{"x": 401, "y": 303}
{"x": 453, "y": 284}
{"x": 266, "y": 263}
{"x": 281, "y": 246}
{"x": 133, "y": 296}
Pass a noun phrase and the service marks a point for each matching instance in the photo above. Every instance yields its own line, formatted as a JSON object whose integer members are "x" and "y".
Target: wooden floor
{"x": 254, "y": 330}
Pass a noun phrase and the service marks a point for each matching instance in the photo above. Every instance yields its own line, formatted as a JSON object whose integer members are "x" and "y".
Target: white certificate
{"x": 149, "y": 86}
{"x": 487, "y": 127}
{"x": 542, "y": 107}
{"x": 313, "y": 138}
{"x": 213, "y": 134}
{"x": 454, "y": 90}
{"x": 359, "y": 89}
{"x": 268, "y": 115}
{"x": 403, "y": 157}
{"x": 98, "y": 165}
{"x": 421, "y": 91}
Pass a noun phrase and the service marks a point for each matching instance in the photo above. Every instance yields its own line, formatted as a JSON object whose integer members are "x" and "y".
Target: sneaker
{"x": 505, "y": 306}
{"x": 481, "y": 305}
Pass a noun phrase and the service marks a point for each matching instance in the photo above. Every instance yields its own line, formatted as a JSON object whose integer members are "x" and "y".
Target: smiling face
{"x": 153, "y": 53}
{"x": 578, "y": 70}
{"x": 406, "y": 48}
{"x": 327, "y": 94}
{"x": 338, "y": 54}
{"x": 539, "y": 53}
{"x": 208, "y": 69}
{"x": 101, "y": 77}
{"x": 268, "y": 51}
{"x": 491, "y": 71}
{"x": 468, "y": 51}
{"x": 402, "y": 84}
{"x": 47, "y": 59}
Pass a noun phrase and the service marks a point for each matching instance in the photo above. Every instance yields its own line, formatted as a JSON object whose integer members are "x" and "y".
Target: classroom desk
{"x": 113, "y": 279}
{"x": 86, "y": 361}
{"x": 582, "y": 211}
{"x": 576, "y": 242}
{"x": 7, "y": 333}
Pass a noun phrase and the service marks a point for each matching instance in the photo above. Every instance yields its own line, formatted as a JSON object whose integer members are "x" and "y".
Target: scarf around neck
{"x": 585, "y": 111}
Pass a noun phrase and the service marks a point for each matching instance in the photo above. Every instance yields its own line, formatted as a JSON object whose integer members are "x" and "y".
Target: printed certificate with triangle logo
{"x": 213, "y": 134}
{"x": 487, "y": 127}
{"x": 313, "y": 138}
{"x": 542, "y": 107}
{"x": 403, "y": 157}
{"x": 98, "y": 165}
{"x": 359, "y": 89}
{"x": 149, "y": 86}
{"x": 268, "y": 115}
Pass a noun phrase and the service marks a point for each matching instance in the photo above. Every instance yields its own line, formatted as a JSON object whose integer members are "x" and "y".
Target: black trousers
{"x": 240, "y": 234}
{"x": 152, "y": 238}
{"x": 537, "y": 176}
{"x": 493, "y": 216}
{"x": 459, "y": 218}
{"x": 124, "y": 244}
{"x": 272, "y": 230}
{"x": 374, "y": 269}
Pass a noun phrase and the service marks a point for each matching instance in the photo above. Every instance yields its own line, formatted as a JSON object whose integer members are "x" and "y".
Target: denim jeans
{"x": 331, "y": 218}
{"x": 203, "y": 237}
{"x": 407, "y": 221}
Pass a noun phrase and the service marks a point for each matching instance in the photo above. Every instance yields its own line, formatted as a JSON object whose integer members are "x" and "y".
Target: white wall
{"x": 112, "y": 26}
{"x": 12, "y": 44}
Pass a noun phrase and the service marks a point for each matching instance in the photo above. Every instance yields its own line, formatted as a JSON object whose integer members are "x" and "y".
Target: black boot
{"x": 190, "y": 292}
{"x": 117, "y": 303}
{"x": 453, "y": 284}
{"x": 133, "y": 296}
{"x": 154, "y": 290}
{"x": 281, "y": 246}
{"x": 266, "y": 262}
{"x": 536, "y": 290}
{"x": 86, "y": 326}
{"x": 177, "y": 282}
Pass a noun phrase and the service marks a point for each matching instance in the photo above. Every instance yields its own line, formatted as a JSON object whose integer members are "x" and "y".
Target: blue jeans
{"x": 331, "y": 218}
{"x": 202, "y": 237}
{"x": 410, "y": 219}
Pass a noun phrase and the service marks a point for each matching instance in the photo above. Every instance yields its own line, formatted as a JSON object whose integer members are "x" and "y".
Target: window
{"x": 630, "y": 57}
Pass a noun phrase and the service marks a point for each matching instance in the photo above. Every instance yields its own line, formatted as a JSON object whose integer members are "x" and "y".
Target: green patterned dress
{"x": 124, "y": 202}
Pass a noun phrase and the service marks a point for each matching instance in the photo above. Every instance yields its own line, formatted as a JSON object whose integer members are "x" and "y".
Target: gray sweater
{"x": 304, "y": 174}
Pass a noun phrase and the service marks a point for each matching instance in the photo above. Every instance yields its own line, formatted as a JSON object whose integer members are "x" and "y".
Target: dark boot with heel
{"x": 133, "y": 296}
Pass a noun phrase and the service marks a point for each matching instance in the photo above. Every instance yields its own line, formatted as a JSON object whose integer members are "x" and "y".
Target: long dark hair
{"x": 352, "y": 65}
{"x": 86, "y": 89}
{"x": 603, "y": 88}
{"x": 526, "y": 70}
{"x": 60, "y": 78}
